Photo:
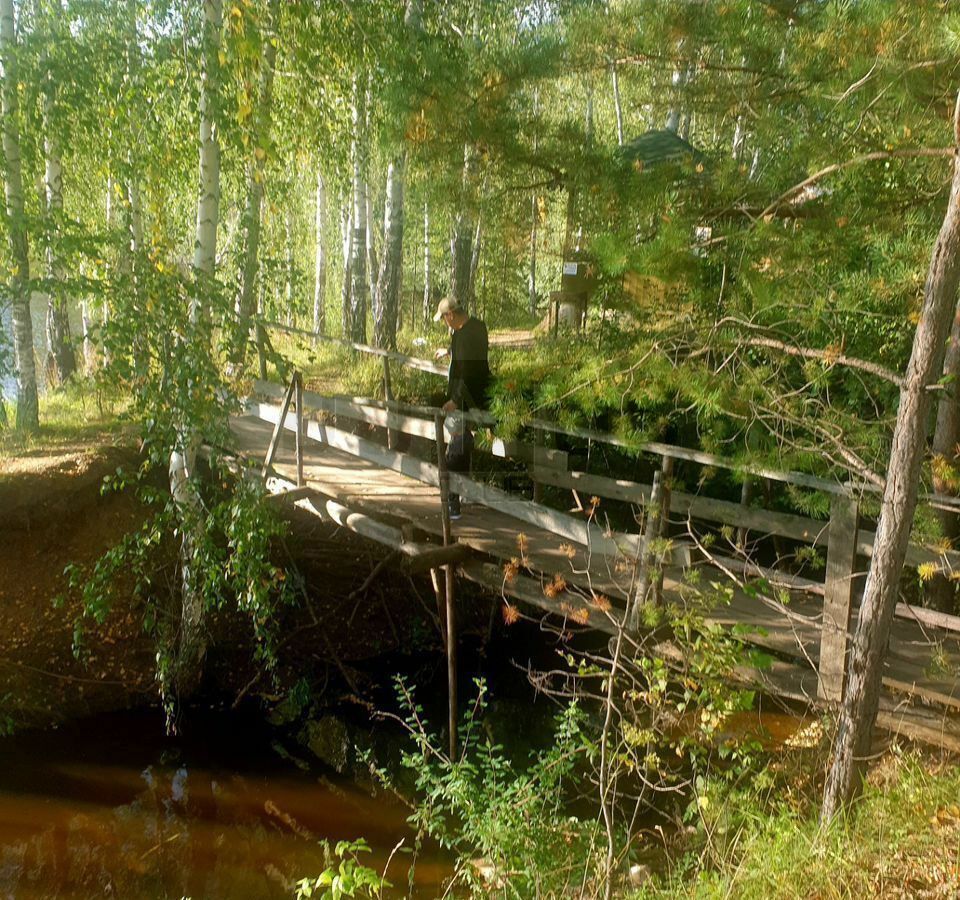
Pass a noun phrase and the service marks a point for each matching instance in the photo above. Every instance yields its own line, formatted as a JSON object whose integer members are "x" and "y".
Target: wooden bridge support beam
{"x": 837, "y": 597}
{"x": 449, "y": 593}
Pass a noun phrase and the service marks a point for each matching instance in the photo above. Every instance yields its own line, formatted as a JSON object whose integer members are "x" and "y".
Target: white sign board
{"x": 569, "y": 268}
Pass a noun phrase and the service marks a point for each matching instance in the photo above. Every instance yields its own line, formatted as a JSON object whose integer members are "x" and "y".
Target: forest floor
{"x": 52, "y": 514}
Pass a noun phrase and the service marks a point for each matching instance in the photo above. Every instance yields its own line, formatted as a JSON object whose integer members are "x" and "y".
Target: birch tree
{"x": 62, "y": 362}
{"x": 191, "y": 643}
{"x": 358, "y": 244}
{"x": 320, "y": 259}
{"x": 391, "y": 268}
{"x": 27, "y": 419}
{"x": 256, "y": 168}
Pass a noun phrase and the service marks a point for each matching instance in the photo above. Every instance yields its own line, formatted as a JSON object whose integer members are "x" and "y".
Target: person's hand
{"x": 449, "y": 406}
{"x": 441, "y": 353}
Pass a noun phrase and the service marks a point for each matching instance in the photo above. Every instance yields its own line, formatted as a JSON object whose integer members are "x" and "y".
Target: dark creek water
{"x": 110, "y": 807}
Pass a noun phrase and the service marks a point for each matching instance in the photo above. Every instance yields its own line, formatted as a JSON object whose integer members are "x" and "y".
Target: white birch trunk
{"x": 373, "y": 260}
{"x": 358, "y": 249}
{"x": 391, "y": 267}
{"x": 191, "y": 644}
{"x": 288, "y": 265}
{"x": 320, "y": 260}
{"x": 427, "y": 296}
{"x": 62, "y": 362}
{"x": 250, "y": 271}
{"x": 617, "y": 107}
{"x": 28, "y": 417}
{"x": 346, "y": 229}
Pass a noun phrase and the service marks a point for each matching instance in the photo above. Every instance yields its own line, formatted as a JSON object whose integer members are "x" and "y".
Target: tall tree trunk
{"x": 534, "y": 214}
{"x": 256, "y": 167}
{"x": 427, "y": 296}
{"x": 28, "y": 417}
{"x": 617, "y": 108}
{"x": 358, "y": 250}
{"x": 387, "y": 302}
{"x": 373, "y": 261}
{"x": 320, "y": 260}
{"x": 346, "y": 228}
{"x": 859, "y": 710}
{"x": 461, "y": 244}
{"x": 109, "y": 218}
{"x": 86, "y": 327}
{"x": 63, "y": 361}
{"x": 191, "y": 643}
{"x": 289, "y": 266}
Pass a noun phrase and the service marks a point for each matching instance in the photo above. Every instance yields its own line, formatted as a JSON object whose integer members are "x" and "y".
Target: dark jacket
{"x": 469, "y": 367}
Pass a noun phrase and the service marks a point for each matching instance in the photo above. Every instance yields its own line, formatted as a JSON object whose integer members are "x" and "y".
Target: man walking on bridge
{"x": 469, "y": 381}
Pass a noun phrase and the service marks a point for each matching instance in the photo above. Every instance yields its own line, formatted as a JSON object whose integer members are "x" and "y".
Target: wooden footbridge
{"x": 341, "y": 459}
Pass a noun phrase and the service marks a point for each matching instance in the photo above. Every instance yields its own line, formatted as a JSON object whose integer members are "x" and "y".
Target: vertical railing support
{"x": 298, "y": 399}
{"x": 278, "y": 428}
{"x": 388, "y": 397}
{"x": 837, "y": 596}
{"x": 449, "y": 592}
{"x": 651, "y": 530}
{"x": 666, "y": 474}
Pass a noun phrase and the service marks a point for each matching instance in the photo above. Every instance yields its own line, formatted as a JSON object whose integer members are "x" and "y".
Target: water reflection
{"x": 78, "y": 824}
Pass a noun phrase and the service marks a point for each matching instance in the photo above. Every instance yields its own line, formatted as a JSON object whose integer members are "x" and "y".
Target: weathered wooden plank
{"x": 837, "y": 596}
{"x": 576, "y": 530}
{"x": 787, "y": 525}
{"x": 928, "y": 617}
{"x": 418, "y": 422}
{"x": 419, "y": 556}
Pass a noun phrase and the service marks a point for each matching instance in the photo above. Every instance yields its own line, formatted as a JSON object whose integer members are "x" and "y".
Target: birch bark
{"x": 191, "y": 648}
{"x": 28, "y": 418}
{"x": 391, "y": 268}
{"x": 320, "y": 259}
{"x": 252, "y": 219}
{"x": 63, "y": 362}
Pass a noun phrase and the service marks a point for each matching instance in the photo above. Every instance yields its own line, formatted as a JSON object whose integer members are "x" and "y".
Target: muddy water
{"x": 110, "y": 807}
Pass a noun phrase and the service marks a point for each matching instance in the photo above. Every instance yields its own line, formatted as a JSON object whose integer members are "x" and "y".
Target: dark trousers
{"x": 459, "y": 449}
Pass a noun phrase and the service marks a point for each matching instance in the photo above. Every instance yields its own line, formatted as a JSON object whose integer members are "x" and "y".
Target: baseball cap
{"x": 446, "y": 305}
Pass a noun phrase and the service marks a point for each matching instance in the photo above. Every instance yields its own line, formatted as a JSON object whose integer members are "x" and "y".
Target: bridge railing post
{"x": 278, "y": 428}
{"x": 651, "y": 530}
{"x": 837, "y": 596}
{"x": 298, "y": 399}
{"x": 449, "y": 596}
{"x": 388, "y": 397}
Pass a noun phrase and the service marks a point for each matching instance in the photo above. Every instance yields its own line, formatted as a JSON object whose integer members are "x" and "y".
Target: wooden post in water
{"x": 388, "y": 397}
{"x": 449, "y": 586}
{"x": 837, "y": 594}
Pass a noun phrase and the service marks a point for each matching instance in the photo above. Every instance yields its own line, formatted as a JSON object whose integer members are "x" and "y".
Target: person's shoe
{"x": 453, "y": 508}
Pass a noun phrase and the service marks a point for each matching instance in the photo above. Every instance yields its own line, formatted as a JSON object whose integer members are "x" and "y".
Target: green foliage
{"x": 345, "y": 876}
{"x": 509, "y": 825}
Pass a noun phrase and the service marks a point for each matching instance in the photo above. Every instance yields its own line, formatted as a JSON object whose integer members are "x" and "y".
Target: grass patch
{"x": 81, "y": 414}
{"x": 902, "y": 839}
